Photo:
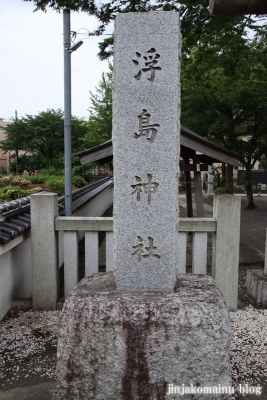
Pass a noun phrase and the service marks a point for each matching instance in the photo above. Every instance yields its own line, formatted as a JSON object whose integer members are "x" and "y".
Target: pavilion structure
{"x": 196, "y": 155}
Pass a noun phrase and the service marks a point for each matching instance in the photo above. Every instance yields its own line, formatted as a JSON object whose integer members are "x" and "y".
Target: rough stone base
{"x": 257, "y": 287}
{"x": 117, "y": 345}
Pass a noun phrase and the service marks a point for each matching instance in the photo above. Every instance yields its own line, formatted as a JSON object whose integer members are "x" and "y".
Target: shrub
{"x": 77, "y": 170}
{"x": 220, "y": 190}
{"x": 14, "y": 180}
{"x": 15, "y": 192}
{"x": 56, "y": 184}
{"x": 37, "y": 178}
{"x": 78, "y": 181}
{"x": 10, "y": 193}
{"x": 51, "y": 171}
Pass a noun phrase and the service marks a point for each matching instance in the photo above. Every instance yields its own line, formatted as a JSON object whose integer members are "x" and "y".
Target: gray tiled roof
{"x": 15, "y": 215}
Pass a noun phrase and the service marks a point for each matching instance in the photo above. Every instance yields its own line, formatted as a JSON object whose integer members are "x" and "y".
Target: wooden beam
{"x": 197, "y": 225}
{"x": 98, "y": 153}
{"x": 189, "y": 153}
{"x": 238, "y": 7}
{"x": 198, "y": 191}
{"x": 189, "y": 206}
{"x": 209, "y": 149}
{"x": 193, "y": 167}
{"x": 92, "y": 224}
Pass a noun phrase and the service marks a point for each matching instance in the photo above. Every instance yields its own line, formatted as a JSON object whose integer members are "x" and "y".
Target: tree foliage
{"x": 40, "y": 139}
{"x": 224, "y": 96}
{"x": 99, "y": 126}
{"x": 196, "y": 19}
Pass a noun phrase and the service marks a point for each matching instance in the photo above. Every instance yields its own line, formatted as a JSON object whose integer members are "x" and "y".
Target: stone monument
{"x": 140, "y": 332}
{"x": 146, "y": 126}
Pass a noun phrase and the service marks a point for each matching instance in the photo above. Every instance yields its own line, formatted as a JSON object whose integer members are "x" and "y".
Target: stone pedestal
{"x": 257, "y": 287}
{"x": 121, "y": 345}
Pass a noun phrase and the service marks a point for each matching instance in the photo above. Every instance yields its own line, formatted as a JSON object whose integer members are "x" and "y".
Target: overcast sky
{"x": 31, "y": 61}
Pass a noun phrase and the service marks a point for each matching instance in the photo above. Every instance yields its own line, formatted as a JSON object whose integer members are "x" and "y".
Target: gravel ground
{"x": 249, "y": 349}
{"x": 28, "y": 348}
{"x": 28, "y": 343}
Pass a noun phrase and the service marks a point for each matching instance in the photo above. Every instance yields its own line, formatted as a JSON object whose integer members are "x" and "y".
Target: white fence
{"x": 225, "y": 226}
{"x": 16, "y": 259}
{"x": 91, "y": 227}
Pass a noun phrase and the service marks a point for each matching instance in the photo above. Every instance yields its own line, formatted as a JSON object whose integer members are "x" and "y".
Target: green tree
{"x": 224, "y": 96}
{"x": 40, "y": 138}
{"x": 99, "y": 126}
{"x": 26, "y": 162}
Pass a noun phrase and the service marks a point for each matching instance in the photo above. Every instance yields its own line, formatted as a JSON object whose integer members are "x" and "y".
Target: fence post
{"x": 225, "y": 249}
{"x": 109, "y": 251}
{"x": 91, "y": 253}
{"x": 181, "y": 253}
{"x": 199, "y": 256}
{"x": 71, "y": 264}
{"x": 44, "y": 247}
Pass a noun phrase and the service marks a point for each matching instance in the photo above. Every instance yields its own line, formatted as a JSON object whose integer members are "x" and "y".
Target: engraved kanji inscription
{"x": 139, "y": 252}
{"x": 148, "y": 188}
{"x": 145, "y": 128}
{"x": 147, "y": 64}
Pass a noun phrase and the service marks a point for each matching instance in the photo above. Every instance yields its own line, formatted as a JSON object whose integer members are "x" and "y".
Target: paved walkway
{"x": 252, "y": 230}
{"x": 41, "y": 391}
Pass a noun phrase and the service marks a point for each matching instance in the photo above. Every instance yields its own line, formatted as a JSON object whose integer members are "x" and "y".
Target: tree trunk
{"x": 250, "y": 202}
{"x": 238, "y": 7}
{"x": 17, "y": 161}
{"x": 223, "y": 179}
{"x": 249, "y": 187}
{"x": 229, "y": 179}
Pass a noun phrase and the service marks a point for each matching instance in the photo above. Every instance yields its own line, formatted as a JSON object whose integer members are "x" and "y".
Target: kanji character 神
{"x": 149, "y": 187}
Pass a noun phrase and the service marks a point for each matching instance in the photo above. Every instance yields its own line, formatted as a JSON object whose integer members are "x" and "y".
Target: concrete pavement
{"x": 41, "y": 391}
{"x": 252, "y": 234}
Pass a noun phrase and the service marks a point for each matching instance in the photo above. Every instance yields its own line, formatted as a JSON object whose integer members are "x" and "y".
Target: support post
{"x": 188, "y": 189}
{"x": 225, "y": 249}
{"x": 265, "y": 261}
{"x": 91, "y": 253}
{"x": 198, "y": 189}
{"x": 44, "y": 248}
{"x": 199, "y": 259}
{"x": 67, "y": 112}
{"x": 210, "y": 180}
{"x": 71, "y": 267}
{"x": 109, "y": 251}
{"x": 181, "y": 250}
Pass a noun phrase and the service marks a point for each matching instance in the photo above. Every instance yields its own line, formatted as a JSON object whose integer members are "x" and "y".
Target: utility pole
{"x": 17, "y": 152}
{"x": 67, "y": 112}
